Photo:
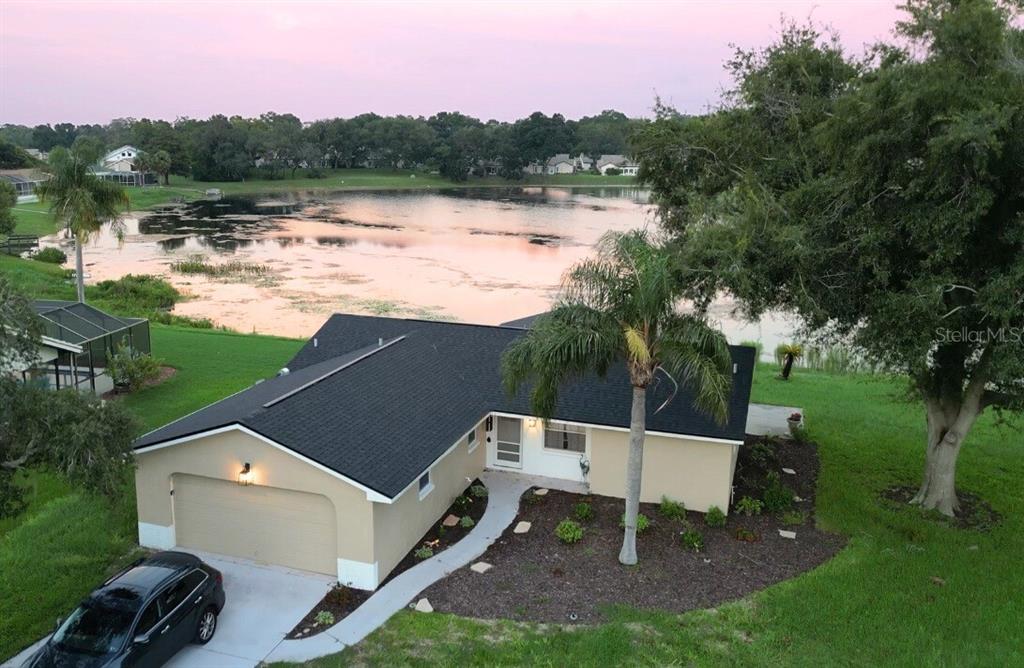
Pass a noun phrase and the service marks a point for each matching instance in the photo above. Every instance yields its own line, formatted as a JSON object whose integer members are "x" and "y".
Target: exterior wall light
{"x": 532, "y": 423}
{"x": 245, "y": 475}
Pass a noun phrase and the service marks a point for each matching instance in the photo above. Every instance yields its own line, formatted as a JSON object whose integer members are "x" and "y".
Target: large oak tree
{"x": 880, "y": 199}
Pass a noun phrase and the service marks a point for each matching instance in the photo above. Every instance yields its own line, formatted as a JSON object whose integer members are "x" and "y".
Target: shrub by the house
{"x": 569, "y": 532}
{"x": 714, "y": 517}
{"x": 671, "y": 510}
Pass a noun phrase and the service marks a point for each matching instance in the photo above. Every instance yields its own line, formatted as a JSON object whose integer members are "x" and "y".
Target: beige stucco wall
{"x": 222, "y": 456}
{"x": 398, "y": 526}
{"x": 698, "y": 473}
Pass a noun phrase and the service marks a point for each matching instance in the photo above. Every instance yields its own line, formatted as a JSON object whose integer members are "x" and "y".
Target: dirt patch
{"x": 538, "y": 578}
{"x": 340, "y": 601}
{"x": 166, "y": 372}
{"x": 975, "y": 513}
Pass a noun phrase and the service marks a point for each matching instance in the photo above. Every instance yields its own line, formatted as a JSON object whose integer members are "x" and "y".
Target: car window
{"x": 94, "y": 629}
{"x": 149, "y": 617}
{"x": 180, "y": 590}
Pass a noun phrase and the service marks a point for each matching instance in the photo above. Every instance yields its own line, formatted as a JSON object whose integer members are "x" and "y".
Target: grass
{"x": 34, "y": 218}
{"x": 876, "y": 603}
{"x": 197, "y": 264}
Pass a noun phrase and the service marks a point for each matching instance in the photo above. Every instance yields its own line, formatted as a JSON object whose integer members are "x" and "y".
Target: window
{"x": 565, "y": 438}
{"x": 425, "y": 484}
{"x": 471, "y": 441}
{"x": 149, "y": 617}
{"x": 181, "y": 590}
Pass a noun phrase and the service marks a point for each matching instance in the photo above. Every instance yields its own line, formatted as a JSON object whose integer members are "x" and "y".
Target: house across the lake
{"x": 74, "y": 344}
{"x": 341, "y": 462}
{"x": 625, "y": 166}
{"x": 120, "y": 166}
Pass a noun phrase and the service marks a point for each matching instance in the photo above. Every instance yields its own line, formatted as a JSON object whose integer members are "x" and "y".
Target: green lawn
{"x": 875, "y": 604}
{"x": 67, "y": 542}
{"x": 35, "y": 219}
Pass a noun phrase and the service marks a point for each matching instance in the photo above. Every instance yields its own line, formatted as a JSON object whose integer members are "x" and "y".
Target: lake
{"x": 483, "y": 255}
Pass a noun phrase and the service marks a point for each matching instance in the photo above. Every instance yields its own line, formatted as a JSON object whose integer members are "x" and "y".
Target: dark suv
{"x": 140, "y": 617}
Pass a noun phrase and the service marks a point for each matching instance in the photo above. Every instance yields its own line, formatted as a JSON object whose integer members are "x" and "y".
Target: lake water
{"x": 476, "y": 255}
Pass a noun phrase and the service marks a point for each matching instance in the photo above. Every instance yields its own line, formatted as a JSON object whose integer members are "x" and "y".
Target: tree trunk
{"x": 79, "y": 269}
{"x": 634, "y": 469}
{"x": 948, "y": 426}
{"x": 787, "y": 366}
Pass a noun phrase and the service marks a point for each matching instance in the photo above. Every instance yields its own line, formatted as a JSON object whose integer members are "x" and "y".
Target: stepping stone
{"x": 787, "y": 534}
{"x": 481, "y": 567}
{"x": 789, "y": 471}
{"x": 522, "y": 527}
{"x": 540, "y": 492}
{"x": 797, "y": 498}
{"x": 423, "y": 605}
{"x": 451, "y": 520}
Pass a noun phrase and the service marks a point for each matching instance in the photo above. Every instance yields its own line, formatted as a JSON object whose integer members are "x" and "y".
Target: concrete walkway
{"x": 504, "y": 490}
{"x": 767, "y": 420}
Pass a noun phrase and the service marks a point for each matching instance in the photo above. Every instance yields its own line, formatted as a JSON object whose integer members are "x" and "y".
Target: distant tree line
{"x": 278, "y": 145}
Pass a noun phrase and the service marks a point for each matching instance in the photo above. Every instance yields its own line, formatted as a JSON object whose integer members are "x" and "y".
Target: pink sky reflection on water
{"x": 94, "y": 61}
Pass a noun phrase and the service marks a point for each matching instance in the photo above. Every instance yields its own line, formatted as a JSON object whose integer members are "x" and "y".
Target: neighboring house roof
{"x": 381, "y": 414}
{"x": 559, "y": 158}
{"x": 611, "y": 159}
{"x": 115, "y": 155}
{"x": 78, "y": 323}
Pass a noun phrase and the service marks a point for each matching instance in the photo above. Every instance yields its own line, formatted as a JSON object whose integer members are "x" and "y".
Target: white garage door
{"x": 267, "y": 524}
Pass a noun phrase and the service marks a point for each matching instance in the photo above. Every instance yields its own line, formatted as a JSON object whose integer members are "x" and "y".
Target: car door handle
{"x": 198, "y": 599}
{"x": 165, "y": 629}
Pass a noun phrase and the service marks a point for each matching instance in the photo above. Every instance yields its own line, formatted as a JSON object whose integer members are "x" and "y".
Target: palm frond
{"x": 697, "y": 356}
{"x": 636, "y": 346}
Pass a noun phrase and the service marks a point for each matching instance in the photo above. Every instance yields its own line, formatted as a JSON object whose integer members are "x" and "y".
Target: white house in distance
{"x": 626, "y": 166}
{"x": 561, "y": 163}
{"x": 121, "y": 159}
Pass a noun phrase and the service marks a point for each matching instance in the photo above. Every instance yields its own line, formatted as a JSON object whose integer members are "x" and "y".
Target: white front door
{"x": 509, "y": 446}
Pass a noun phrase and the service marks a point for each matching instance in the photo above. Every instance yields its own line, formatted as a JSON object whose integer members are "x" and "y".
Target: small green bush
{"x": 423, "y": 553}
{"x": 642, "y": 523}
{"x": 462, "y": 502}
{"x": 793, "y": 517}
{"x": 131, "y": 369}
{"x": 583, "y": 511}
{"x": 748, "y": 506}
{"x": 777, "y": 497}
{"x": 714, "y": 517}
{"x": 137, "y": 293}
{"x": 466, "y": 522}
{"x": 324, "y": 618}
{"x": 569, "y": 532}
{"x": 672, "y": 510}
{"x": 692, "y": 540}
{"x": 479, "y": 491}
{"x": 52, "y": 255}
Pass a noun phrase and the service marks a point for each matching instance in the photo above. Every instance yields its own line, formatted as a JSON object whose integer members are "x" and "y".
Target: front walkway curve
{"x": 504, "y": 490}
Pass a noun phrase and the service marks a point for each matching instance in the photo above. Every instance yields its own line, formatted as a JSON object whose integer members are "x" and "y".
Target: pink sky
{"x": 93, "y": 61}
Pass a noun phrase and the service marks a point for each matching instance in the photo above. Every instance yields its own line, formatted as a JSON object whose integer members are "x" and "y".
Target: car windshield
{"x": 94, "y": 629}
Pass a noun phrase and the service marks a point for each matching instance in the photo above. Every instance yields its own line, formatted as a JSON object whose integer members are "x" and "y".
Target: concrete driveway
{"x": 263, "y": 604}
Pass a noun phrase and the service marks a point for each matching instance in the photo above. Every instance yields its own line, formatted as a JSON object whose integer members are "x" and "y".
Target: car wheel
{"x": 206, "y": 626}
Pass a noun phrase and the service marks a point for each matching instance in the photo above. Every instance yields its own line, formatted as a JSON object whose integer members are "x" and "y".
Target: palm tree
{"x": 80, "y": 202}
{"x": 621, "y": 306}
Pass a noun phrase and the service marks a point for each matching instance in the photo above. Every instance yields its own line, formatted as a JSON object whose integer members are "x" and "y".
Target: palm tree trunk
{"x": 634, "y": 469}
{"x": 79, "y": 269}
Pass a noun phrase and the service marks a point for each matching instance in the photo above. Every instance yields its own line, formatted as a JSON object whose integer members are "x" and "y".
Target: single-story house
{"x": 626, "y": 166}
{"x": 561, "y": 163}
{"x": 341, "y": 462}
{"x": 74, "y": 344}
{"x": 24, "y": 181}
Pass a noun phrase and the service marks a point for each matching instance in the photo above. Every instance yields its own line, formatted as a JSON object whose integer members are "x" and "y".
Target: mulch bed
{"x": 537, "y": 578}
{"x": 975, "y": 513}
{"x": 166, "y": 372}
{"x": 342, "y": 600}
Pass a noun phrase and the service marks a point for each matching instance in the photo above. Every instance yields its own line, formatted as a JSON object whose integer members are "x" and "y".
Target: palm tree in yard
{"x": 80, "y": 202}
{"x": 621, "y": 307}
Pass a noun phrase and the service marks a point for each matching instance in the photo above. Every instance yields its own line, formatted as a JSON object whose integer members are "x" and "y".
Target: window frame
{"x": 429, "y": 487}
{"x": 472, "y": 441}
{"x": 158, "y": 599}
{"x": 565, "y": 428}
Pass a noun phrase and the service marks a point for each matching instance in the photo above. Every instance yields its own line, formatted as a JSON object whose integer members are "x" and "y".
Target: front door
{"x": 509, "y": 449}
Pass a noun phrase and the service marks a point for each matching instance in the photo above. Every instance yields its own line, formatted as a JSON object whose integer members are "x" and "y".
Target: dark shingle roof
{"x": 78, "y": 323}
{"x": 386, "y": 416}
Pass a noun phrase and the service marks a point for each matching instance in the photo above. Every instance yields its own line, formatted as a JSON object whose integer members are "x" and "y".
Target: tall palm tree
{"x": 80, "y": 202}
{"x": 620, "y": 306}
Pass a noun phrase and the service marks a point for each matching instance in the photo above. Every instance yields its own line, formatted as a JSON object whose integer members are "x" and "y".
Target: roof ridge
{"x": 427, "y": 320}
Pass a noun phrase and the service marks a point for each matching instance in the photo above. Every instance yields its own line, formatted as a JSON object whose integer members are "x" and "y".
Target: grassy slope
{"x": 874, "y": 604}
{"x": 65, "y": 543}
{"x": 34, "y": 219}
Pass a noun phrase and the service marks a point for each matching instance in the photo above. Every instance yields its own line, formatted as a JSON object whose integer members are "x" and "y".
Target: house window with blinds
{"x": 565, "y": 437}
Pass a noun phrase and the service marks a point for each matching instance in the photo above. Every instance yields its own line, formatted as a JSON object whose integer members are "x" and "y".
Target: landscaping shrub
{"x": 423, "y": 553}
{"x": 51, "y": 255}
{"x": 777, "y": 497}
{"x": 324, "y": 618}
{"x": 642, "y": 523}
{"x": 339, "y": 595}
{"x": 692, "y": 540}
{"x": 747, "y": 536}
{"x": 569, "y": 532}
{"x": 479, "y": 491}
{"x": 672, "y": 510}
{"x": 583, "y": 511}
{"x": 462, "y": 502}
{"x": 137, "y": 293}
{"x": 748, "y": 506}
{"x": 466, "y": 522}
{"x": 714, "y": 517}
{"x": 131, "y": 369}
{"x": 793, "y": 517}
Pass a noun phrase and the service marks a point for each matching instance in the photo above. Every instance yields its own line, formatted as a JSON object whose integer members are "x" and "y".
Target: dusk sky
{"x": 89, "y": 62}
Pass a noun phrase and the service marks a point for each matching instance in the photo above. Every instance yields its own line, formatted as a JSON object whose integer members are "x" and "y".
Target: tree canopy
{"x": 880, "y": 199}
